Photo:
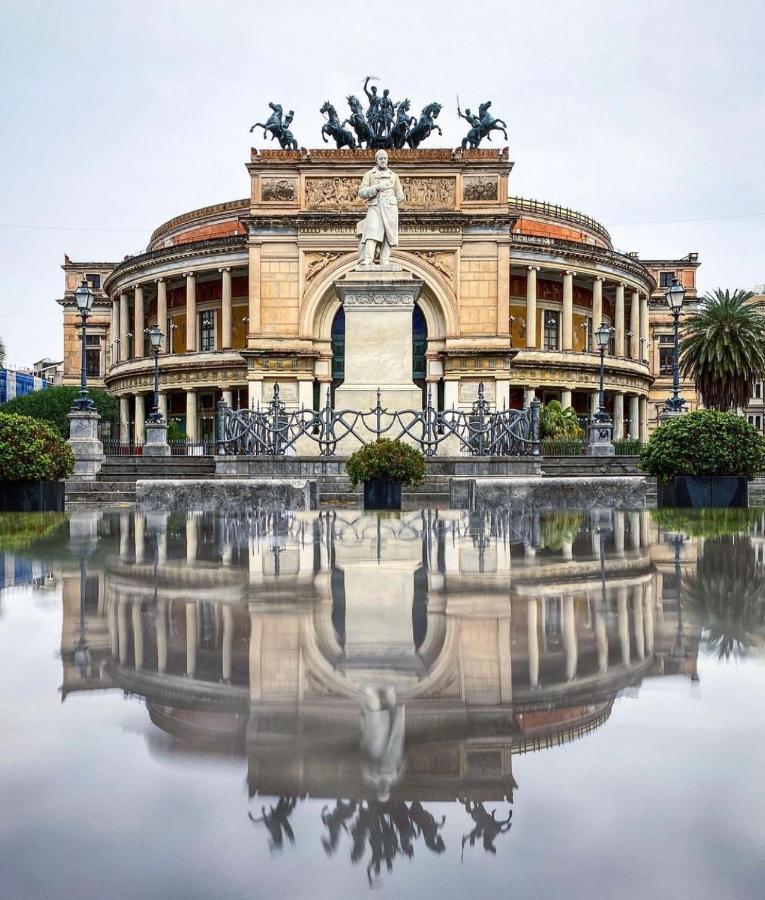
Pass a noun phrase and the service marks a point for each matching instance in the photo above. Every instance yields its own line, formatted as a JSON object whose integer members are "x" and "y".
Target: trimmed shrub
{"x": 32, "y": 451}
{"x": 704, "y": 443}
{"x": 54, "y": 405}
{"x": 387, "y": 460}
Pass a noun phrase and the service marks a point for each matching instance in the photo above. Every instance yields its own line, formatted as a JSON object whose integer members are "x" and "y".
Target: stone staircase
{"x": 118, "y": 475}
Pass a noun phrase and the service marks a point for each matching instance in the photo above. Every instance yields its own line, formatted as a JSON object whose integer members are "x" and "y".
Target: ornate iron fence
{"x": 480, "y": 431}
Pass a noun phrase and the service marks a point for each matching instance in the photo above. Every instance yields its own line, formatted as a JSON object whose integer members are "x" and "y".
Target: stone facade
{"x": 512, "y": 290}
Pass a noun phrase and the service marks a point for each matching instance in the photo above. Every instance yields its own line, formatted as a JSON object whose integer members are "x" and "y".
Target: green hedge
{"x": 54, "y": 405}
{"x": 701, "y": 443}
{"x": 32, "y": 451}
{"x": 387, "y": 460}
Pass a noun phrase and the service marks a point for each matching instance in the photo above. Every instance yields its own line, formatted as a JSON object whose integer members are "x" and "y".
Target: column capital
{"x": 569, "y": 272}
{"x": 224, "y": 269}
{"x": 599, "y": 278}
{"x": 159, "y": 280}
{"x": 189, "y": 274}
{"x": 533, "y": 268}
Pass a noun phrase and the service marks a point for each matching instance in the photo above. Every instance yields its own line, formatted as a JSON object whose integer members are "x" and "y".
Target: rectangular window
{"x": 207, "y": 331}
{"x": 551, "y": 329}
{"x": 758, "y": 390}
{"x": 666, "y": 339}
{"x": 666, "y": 279}
{"x": 757, "y": 422}
{"x": 750, "y": 420}
{"x": 92, "y": 340}
{"x": 93, "y": 362}
{"x": 94, "y": 281}
{"x": 666, "y": 360}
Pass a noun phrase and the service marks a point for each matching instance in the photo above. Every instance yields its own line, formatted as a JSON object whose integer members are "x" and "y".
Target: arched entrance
{"x": 419, "y": 348}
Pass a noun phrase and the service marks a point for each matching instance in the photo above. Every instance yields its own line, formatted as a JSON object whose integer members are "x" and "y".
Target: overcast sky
{"x": 119, "y": 115}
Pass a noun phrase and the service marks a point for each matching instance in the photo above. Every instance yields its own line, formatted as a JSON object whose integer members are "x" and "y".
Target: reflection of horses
{"x": 425, "y": 125}
{"x": 335, "y": 821}
{"x": 333, "y": 128}
{"x": 277, "y": 822}
{"x": 404, "y": 122}
{"x": 486, "y": 826}
{"x": 358, "y": 121}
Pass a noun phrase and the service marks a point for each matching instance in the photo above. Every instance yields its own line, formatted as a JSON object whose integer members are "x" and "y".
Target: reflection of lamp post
{"x": 82, "y": 651}
{"x": 601, "y": 427}
{"x": 83, "y": 297}
{"x": 674, "y": 297}
{"x": 155, "y": 339}
{"x": 678, "y": 651}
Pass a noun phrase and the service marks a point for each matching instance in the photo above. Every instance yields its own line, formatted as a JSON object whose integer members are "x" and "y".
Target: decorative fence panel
{"x": 480, "y": 431}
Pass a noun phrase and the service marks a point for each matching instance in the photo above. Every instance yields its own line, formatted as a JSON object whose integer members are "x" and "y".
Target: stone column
{"x": 619, "y": 321}
{"x": 140, "y": 419}
{"x": 124, "y": 340}
{"x": 531, "y": 308}
{"x": 139, "y": 322}
{"x": 565, "y": 399}
{"x": 115, "y": 330}
{"x": 643, "y": 429}
{"x": 191, "y": 639}
{"x": 227, "y": 395}
{"x": 124, "y": 420}
{"x": 634, "y": 417}
{"x": 191, "y": 415}
{"x": 597, "y": 310}
{"x": 225, "y": 310}
{"x": 644, "y": 327}
{"x": 623, "y": 618}
{"x": 137, "y": 635}
{"x": 570, "y": 648}
{"x": 191, "y": 312}
{"x": 161, "y": 626}
{"x": 122, "y": 630}
{"x": 594, "y": 402}
{"x": 601, "y": 640}
{"x": 162, "y": 314}
{"x": 529, "y": 395}
{"x": 533, "y": 642}
{"x": 567, "y": 327}
{"x": 254, "y": 289}
{"x": 228, "y": 640}
{"x": 635, "y": 326}
{"x": 618, "y": 417}
{"x": 503, "y": 290}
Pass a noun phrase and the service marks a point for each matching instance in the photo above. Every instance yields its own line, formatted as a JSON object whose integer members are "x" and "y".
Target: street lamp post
{"x": 156, "y": 427}
{"x": 155, "y": 339}
{"x": 601, "y": 427}
{"x": 674, "y": 297}
{"x": 83, "y": 297}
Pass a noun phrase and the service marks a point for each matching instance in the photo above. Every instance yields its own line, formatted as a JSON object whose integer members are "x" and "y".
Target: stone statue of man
{"x": 381, "y": 188}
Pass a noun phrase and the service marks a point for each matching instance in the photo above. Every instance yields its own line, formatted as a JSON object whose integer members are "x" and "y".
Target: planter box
{"x": 380, "y": 494}
{"x": 718, "y": 491}
{"x": 32, "y": 496}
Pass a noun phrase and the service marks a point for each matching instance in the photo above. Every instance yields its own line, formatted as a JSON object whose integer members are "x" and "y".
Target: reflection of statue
{"x": 382, "y": 739}
{"x": 278, "y": 127}
{"x": 382, "y": 190}
{"x": 486, "y": 826}
{"x": 277, "y": 822}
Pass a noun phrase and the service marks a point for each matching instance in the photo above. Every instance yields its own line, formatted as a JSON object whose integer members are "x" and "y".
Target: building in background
{"x": 50, "y": 369}
{"x": 17, "y": 383}
{"x": 245, "y": 293}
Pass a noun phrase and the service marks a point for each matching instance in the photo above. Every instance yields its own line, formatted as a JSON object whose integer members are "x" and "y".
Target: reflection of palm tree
{"x": 727, "y": 594}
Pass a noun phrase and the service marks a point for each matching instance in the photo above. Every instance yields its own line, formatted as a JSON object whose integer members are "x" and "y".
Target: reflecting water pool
{"x": 424, "y": 703}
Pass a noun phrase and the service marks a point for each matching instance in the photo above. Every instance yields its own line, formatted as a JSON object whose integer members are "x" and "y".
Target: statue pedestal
{"x": 155, "y": 443}
{"x": 379, "y": 303}
{"x": 87, "y": 448}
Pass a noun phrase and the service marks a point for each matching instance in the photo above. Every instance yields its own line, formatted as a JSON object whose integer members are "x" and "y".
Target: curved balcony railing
{"x": 554, "y": 211}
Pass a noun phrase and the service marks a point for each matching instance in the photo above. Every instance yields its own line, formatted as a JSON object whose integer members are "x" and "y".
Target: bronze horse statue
{"x": 482, "y": 125}
{"x": 333, "y": 128}
{"x": 278, "y": 128}
{"x": 403, "y": 125}
{"x": 358, "y": 121}
{"x": 425, "y": 125}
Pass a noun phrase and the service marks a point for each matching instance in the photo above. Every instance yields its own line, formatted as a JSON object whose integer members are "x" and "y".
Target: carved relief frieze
{"x": 278, "y": 190}
{"x": 378, "y": 299}
{"x": 480, "y": 187}
{"x": 316, "y": 262}
{"x": 442, "y": 262}
{"x": 342, "y": 192}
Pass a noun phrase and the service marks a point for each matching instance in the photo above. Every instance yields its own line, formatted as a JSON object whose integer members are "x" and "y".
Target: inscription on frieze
{"x": 468, "y": 391}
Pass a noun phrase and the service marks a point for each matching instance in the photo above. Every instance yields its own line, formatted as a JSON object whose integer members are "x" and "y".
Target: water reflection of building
{"x": 500, "y": 633}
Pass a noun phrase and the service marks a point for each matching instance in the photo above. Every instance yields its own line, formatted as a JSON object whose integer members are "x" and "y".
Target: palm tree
{"x": 723, "y": 348}
{"x": 2, "y": 352}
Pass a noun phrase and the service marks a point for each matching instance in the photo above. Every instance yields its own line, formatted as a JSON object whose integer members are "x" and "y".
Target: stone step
{"x": 90, "y": 487}
{"x": 99, "y": 498}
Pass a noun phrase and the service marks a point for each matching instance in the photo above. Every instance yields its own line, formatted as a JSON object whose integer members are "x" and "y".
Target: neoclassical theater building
{"x": 244, "y": 292}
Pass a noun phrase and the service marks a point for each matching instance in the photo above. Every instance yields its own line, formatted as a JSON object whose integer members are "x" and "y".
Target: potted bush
{"x": 33, "y": 460}
{"x": 704, "y": 458}
{"x": 384, "y": 467}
